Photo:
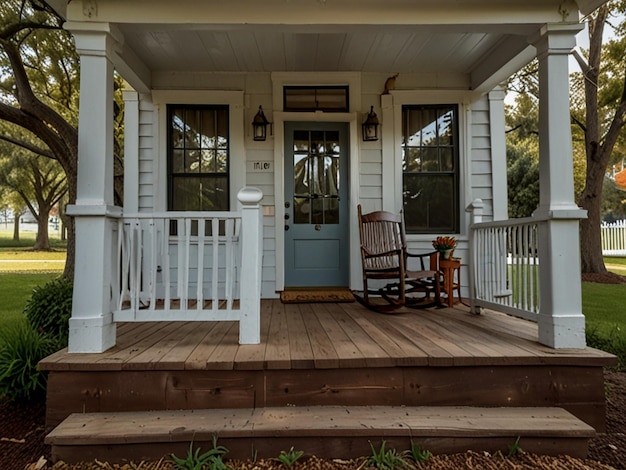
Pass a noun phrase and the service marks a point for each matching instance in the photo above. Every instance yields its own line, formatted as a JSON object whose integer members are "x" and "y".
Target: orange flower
{"x": 444, "y": 243}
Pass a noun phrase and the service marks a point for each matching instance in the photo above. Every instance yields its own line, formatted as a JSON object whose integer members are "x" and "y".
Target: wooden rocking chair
{"x": 384, "y": 261}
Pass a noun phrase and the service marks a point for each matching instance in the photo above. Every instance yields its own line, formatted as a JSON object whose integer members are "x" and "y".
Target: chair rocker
{"x": 387, "y": 284}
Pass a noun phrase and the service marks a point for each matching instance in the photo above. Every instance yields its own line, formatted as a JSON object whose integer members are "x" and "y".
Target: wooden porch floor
{"x": 330, "y": 335}
{"x": 321, "y": 358}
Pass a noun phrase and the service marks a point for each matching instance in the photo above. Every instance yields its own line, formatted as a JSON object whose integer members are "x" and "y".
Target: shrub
{"x": 21, "y": 349}
{"x": 612, "y": 341}
{"x": 49, "y": 309}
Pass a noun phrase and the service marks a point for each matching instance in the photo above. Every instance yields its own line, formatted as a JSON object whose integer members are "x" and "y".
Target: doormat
{"x": 313, "y": 295}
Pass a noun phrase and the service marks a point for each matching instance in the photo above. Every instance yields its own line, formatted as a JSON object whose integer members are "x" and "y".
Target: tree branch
{"x": 30, "y": 147}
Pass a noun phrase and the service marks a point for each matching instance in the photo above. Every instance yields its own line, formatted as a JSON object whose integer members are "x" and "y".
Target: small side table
{"x": 448, "y": 267}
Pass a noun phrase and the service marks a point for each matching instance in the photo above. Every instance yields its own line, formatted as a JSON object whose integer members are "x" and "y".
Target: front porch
{"x": 327, "y": 355}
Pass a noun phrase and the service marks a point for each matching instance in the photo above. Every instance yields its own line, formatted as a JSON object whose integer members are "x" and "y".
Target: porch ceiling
{"x": 266, "y": 48}
{"x": 478, "y": 54}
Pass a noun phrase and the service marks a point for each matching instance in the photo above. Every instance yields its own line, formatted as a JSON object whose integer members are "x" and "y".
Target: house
{"x": 272, "y": 205}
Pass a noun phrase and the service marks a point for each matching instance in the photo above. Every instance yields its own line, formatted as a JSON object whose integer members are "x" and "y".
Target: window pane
{"x": 199, "y": 194}
{"x": 193, "y": 161}
{"x": 430, "y": 180}
{"x": 198, "y": 147}
{"x": 429, "y": 203}
{"x": 221, "y": 163}
{"x": 430, "y": 159}
{"x": 301, "y": 141}
{"x": 446, "y": 127}
{"x": 207, "y": 164}
{"x": 214, "y": 193}
{"x": 446, "y": 159}
{"x": 301, "y": 210}
{"x": 305, "y": 98}
{"x": 207, "y": 138}
{"x": 192, "y": 129}
{"x": 178, "y": 161}
{"x": 222, "y": 128}
{"x": 177, "y": 129}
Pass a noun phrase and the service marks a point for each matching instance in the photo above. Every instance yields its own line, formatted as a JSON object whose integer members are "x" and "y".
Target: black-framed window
{"x": 198, "y": 157}
{"x": 430, "y": 168}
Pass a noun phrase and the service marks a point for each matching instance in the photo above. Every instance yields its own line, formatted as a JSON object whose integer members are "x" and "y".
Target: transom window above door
{"x": 198, "y": 157}
{"x": 430, "y": 168}
{"x": 316, "y": 98}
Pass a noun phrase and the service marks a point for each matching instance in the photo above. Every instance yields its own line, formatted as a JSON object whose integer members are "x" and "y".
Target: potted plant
{"x": 445, "y": 246}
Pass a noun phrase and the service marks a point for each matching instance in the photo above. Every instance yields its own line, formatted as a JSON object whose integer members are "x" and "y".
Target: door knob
{"x": 318, "y": 227}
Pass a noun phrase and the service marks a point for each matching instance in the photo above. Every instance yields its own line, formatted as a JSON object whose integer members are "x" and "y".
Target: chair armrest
{"x": 379, "y": 255}
{"x": 433, "y": 257}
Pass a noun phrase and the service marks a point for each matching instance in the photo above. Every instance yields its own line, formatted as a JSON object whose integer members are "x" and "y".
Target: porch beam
{"x": 561, "y": 321}
{"x": 91, "y": 325}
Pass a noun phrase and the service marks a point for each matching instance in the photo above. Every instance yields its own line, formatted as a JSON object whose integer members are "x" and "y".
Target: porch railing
{"x": 191, "y": 266}
{"x": 505, "y": 266}
{"x": 614, "y": 238}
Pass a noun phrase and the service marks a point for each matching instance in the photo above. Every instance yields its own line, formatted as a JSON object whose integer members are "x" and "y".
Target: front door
{"x": 316, "y": 204}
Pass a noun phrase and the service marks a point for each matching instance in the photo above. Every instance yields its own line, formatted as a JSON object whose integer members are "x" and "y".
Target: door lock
{"x": 318, "y": 227}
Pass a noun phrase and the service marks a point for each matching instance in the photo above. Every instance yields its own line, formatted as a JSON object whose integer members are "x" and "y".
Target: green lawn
{"x": 27, "y": 240}
{"x": 616, "y": 265}
{"x": 15, "y": 290}
{"x": 22, "y": 269}
{"x": 18, "y": 257}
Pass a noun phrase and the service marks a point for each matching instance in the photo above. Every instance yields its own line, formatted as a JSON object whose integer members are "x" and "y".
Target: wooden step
{"x": 324, "y": 431}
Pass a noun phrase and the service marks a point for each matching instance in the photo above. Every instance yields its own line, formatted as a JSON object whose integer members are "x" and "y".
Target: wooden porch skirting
{"x": 330, "y": 354}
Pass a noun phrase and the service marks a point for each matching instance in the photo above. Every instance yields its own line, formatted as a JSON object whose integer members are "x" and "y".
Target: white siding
{"x": 258, "y": 90}
{"x": 147, "y": 155}
{"x": 480, "y": 162}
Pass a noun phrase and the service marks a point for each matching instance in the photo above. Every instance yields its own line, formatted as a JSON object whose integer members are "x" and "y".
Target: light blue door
{"x": 316, "y": 204}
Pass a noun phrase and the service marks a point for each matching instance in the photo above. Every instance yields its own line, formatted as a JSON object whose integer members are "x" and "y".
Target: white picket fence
{"x": 614, "y": 238}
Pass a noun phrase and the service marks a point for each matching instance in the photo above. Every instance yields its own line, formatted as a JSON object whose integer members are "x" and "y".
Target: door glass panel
{"x": 316, "y": 177}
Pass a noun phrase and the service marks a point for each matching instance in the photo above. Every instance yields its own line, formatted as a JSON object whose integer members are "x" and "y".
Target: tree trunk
{"x": 591, "y": 259}
{"x": 42, "y": 241}
{"x": 599, "y": 144}
{"x": 16, "y": 228}
{"x": 70, "y": 259}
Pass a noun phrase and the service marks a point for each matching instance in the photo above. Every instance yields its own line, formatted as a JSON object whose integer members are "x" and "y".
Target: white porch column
{"x": 91, "y": 325}
{"x": 498, "y": 153}
{"x": 561, "y": 321}
{"x": 251, "y": 264}
{"x": 131, "y": 151}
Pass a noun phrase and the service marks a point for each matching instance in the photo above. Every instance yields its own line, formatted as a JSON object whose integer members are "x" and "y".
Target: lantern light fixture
{"x": 259, "y": 125}
{"x": 370, "y": 126}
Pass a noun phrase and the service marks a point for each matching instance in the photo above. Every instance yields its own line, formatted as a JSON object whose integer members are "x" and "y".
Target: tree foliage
{"x": 600, "y": 120}
{"x": 38, "y": 90}
{"x": 523, "y": 181}
{"x": 598, "y": 107}
{"x": 40, "y": 184}
{"x": 522, "y": 150}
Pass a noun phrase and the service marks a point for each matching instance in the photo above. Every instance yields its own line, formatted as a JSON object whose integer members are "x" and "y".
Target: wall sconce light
{"x": 370, "y": 126}
{"x": 259, "y": 125}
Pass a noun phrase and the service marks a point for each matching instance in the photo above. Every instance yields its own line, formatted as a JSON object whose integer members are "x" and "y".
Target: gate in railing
{"x": 191, "y": 266}
{"x": 614, "y": 238}
{"x": 505, "y": 274}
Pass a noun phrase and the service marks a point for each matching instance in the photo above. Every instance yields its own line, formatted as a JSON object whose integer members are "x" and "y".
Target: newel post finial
{"x": 476, "y": 207}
